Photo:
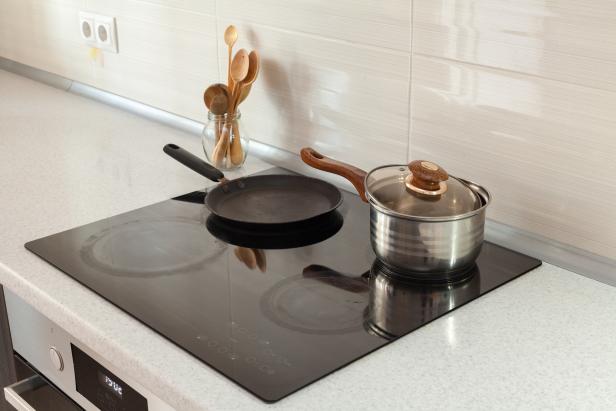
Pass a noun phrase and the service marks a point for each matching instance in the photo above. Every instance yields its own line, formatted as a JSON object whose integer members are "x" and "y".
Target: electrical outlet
{"x": 86, "y": 28}
{"x": 106, "y": 36}
{"x": 99, "y": 31}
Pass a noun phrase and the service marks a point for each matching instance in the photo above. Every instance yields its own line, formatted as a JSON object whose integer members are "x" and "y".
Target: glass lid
{"x": 421, "y": 189}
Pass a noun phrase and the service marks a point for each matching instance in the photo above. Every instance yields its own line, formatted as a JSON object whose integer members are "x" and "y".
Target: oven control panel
{"x": 102, "y": 387}
{"x": 81, "y": 374}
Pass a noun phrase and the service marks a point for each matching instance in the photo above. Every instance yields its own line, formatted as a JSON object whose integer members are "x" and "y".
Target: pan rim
{"x": 338, "y": 199}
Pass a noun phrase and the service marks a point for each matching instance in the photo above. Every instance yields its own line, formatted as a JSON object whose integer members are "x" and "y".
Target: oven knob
{"x": 56, "y": 359}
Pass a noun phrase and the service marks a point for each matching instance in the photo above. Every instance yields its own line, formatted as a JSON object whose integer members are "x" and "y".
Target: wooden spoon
{"x": 230, "y": 39}
{"x": 243, "y": 94}
{"x": 236, "y": 153}
{"x": 239, "y": 70}
{"x": 222, "y": 145}
{"x": 251, "y": 76}
{"x": 216, "y": 98}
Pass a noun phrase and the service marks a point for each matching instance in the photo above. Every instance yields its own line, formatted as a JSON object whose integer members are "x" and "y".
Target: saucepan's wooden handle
{"x": 355, "y": 175}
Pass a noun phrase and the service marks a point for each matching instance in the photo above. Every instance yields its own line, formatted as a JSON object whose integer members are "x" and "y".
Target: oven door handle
{"x": 13, "y": 392}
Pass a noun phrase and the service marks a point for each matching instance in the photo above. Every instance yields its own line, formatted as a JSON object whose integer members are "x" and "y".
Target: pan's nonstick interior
{"x": 273, "y": 199}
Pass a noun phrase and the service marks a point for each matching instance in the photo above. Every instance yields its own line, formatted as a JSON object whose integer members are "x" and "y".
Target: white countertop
{"x": 545, "y": 340}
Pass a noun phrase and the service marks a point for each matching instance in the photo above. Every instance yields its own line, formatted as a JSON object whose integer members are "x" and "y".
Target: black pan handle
{"x": 193, "y": 162}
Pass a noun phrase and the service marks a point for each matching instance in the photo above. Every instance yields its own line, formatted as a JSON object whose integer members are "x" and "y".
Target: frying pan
{"x": 265, "y": 200}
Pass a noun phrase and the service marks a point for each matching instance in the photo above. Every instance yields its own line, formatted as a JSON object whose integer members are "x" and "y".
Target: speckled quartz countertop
{"x": 545, "y": 340}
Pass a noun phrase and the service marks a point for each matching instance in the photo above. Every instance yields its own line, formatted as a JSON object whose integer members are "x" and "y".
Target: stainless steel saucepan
{"x": 422, "y": 221}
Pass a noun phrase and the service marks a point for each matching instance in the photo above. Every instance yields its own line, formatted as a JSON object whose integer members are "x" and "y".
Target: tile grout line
{"x": 410, "y": 88}
{"x": 217, "y": 40}
{"x": 511, "y": 71}
{"x": 358, "y": 44}
{"x": 525, "y": 47}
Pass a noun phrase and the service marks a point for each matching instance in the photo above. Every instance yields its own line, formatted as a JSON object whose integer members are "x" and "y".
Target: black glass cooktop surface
{"x": 272, "y": 311}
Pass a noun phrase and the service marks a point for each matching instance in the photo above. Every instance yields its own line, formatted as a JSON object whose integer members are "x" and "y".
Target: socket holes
{"x": 86, "y": 29}
{"x": 103, "y": 34}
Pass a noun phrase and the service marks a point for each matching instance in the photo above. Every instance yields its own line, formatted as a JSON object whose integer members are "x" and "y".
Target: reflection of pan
{"x": 265, "y": 200}
{"x": 321, "y": 301}
{"x": 148, "y": 248}
{"x": 286, "y": 236}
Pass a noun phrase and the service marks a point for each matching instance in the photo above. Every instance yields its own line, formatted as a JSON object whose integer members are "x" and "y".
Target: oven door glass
{"x": 36, "y": 393}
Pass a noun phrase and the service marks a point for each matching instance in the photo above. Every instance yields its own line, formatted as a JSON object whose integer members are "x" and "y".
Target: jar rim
{"x": 227, "y": 116}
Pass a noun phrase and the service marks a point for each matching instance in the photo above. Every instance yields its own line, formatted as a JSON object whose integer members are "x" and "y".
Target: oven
{"x": 57, "y": 372}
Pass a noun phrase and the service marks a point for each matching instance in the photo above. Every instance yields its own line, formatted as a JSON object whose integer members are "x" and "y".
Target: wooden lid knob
{"x": 427, "y": 175}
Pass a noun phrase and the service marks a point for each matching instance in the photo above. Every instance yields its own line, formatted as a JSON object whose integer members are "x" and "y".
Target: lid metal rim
{"x": 482, "y": 192}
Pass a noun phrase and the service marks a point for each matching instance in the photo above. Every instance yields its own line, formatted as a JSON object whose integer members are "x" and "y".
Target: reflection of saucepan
{"x": 320, "y": 301}
{"x": 324, "y": 301}
{"x": 397, "y": 307}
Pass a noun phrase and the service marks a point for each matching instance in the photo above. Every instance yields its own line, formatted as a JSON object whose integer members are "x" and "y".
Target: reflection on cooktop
{"x": 271, "y": 311}
{"x": 319, "y": 301}
{"x": 295, "y": 235}
{"x": 397, "y": 307}
{"x": 166, "y": 246}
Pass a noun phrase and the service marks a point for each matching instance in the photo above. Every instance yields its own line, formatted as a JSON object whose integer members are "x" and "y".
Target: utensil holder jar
{"x": 225, "y": 140}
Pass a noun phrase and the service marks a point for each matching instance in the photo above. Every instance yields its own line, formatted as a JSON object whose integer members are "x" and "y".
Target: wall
{"x": 519, "y": 96}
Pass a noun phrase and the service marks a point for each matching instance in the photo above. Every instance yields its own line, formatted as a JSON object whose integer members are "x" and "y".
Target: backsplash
{"x": 518, "y": 96}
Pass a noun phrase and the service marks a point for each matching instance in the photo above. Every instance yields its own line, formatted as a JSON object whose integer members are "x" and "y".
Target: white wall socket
{"x": 98, "y": 31}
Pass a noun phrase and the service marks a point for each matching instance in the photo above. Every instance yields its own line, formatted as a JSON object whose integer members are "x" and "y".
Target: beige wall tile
{"x": 378, "y": 23}
{"x": 170, "y": 48}
{"x": 168, "y": 53}
{"x": 567, "y": 40}
{"x": 202, "y": 6}
{"x": 544, "y": 148}
{"x": 349, "y": 101}
{"x": 37, "y": 33}
{"x": 172, "y": 90}
{"x": 159, "y": 13}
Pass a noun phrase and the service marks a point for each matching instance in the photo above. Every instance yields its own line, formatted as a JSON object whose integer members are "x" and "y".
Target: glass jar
{"x": 225, "y": 141}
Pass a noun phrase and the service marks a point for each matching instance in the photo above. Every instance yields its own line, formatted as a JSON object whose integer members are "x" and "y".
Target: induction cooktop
{"x": 272, "y": 310}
